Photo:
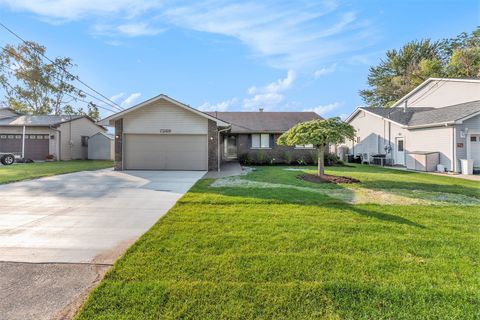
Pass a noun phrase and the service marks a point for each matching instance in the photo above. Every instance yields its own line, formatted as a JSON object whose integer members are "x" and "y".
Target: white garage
{"x": 164, "y": 134}
{"x": 166, "y": 152}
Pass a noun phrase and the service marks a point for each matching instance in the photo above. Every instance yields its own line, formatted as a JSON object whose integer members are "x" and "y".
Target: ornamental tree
{"x": 319, "y": 133}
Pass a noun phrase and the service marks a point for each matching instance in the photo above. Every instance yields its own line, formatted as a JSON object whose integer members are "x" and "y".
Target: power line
{"x": 61, "y": 67}
{"x": 62, "y": 81}
{"x": 66, "y": 93}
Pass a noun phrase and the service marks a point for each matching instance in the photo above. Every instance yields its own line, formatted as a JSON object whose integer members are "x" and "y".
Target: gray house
{"x": 437, "y": 117}
{"x": 165, "y": 134}
{"x": 38, "y": 136}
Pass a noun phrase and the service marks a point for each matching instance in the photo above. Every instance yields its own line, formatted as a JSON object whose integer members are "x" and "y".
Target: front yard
{"x": 21, "y": 171}
{"x": 400, "y": 245}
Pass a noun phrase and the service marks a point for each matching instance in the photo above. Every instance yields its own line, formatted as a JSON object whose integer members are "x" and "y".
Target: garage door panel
{"x": 165, "y": 152}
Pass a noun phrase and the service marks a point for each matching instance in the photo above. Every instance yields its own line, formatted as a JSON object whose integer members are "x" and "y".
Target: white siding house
{"x": 438, "y": 116}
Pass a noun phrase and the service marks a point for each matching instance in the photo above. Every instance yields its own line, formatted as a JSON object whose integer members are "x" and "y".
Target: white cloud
{"x": 138, "y": 29}
{"x": 269, "y": 96}
{"x": 130, "y": 100}
{"x": 325, "y": 109}
{"x": 220, "y": 106}
{"x": 117, "y": 96}
{"x": 68, "y": 10}
{"x": 286, "y": 35}
{"x": 324, "y": 71}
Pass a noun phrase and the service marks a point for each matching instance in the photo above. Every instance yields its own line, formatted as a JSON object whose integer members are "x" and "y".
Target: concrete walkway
{"x": 59, "y": 235}
{"x": 227, "y": 169}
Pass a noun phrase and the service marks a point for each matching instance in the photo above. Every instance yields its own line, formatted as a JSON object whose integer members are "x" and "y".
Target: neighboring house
{"x": 64, "y": 137}
{"x": 440, "y": 115}
{"x": 101, "y": 147}
{"x": 164, "y": 134}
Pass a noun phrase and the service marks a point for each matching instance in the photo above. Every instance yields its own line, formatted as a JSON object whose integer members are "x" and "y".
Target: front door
{"x": 400, "y": 151}
{"x": 230, "y": 144}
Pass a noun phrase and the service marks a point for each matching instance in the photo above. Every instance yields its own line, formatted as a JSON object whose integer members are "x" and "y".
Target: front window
{"x": 304, "y": 146}
{"x": 261, "y": 140}
{"x": 400, "y": 145}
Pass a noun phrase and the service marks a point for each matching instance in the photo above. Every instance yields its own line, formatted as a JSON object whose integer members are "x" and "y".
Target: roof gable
{"x": 441, "y": 92}
{"x": 106, "y": 121}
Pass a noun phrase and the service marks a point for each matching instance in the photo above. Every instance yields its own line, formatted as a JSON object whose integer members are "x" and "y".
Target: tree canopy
{"x": 318, "y": 133}
{"x": 404, "y": 69}
{"x": 33, "y": 86}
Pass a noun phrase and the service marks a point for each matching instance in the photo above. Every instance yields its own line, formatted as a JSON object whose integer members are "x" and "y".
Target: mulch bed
{"x": 326, "y": 178}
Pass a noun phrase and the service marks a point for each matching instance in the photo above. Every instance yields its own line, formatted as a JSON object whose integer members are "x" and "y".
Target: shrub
{"x": 331, "y": 159}
{"x": 314, "y": 156}
{"x": 301, "y": 161}
{"x": 261, "y": 157}
{"x": 287, "y": 157}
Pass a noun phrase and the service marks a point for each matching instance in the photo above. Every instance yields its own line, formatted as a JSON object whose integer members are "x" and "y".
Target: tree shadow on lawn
{"x": 201, "y": 193}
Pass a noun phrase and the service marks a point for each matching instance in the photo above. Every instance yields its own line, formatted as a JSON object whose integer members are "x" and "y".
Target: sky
{"x": 220, "y": 55}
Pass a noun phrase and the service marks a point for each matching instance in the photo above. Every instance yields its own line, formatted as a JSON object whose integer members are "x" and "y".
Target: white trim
{"x": 106, "y": 121}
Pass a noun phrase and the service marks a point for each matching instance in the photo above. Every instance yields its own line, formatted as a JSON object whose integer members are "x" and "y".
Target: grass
{"x": 285, "y": 253}
{"x": 18, "y": 172}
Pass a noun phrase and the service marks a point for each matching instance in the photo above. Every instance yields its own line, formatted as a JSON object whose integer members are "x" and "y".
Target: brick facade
{"x": 118, "y": 144}
{"x": 212, "y": 146}
{"x": 275, "y": 153}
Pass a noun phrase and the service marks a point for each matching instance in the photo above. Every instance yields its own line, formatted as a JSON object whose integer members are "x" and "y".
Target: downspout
{"x": 23, "y": 142}
{"x": 454, "y": 149}
{"x": 218, "y": 146}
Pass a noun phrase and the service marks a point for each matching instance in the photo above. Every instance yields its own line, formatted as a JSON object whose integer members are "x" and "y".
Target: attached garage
{"x": 36, "y": 145}
{"x": 164, "y": 134}
{"x": 166, "y": 152}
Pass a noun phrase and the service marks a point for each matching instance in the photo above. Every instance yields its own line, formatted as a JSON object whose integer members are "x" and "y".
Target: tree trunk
{"x": 321, "y": 165}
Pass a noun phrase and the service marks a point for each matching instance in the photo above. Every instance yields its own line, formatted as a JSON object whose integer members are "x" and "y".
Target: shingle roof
{"x": 251, "y": 122}
{"x": 425, "y": 116}
{"x": 36, "y": 120}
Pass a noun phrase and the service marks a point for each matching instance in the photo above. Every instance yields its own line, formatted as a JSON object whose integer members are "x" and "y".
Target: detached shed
{"x": 423, "y": 160}
{"x": 101, "y": 147}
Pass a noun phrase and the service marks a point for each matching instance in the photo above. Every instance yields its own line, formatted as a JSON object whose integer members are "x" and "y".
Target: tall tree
{"x": 319, "y": 133}
{"x": 402, "y": 70}
{"x": 33, "y": 86}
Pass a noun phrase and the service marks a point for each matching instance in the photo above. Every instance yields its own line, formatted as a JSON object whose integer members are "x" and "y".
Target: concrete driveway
{"x": 58, "y": 235}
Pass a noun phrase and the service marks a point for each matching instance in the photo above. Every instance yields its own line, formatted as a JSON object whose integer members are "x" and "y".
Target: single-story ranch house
{"x": 36, "y": 137}
{"x": 164, "y": 134}
{"x": 439, "y": 117}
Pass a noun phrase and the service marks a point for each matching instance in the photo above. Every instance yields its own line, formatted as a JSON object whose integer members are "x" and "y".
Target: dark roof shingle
{"x": 417, "y": 116}
{"x": 251, "y": 122}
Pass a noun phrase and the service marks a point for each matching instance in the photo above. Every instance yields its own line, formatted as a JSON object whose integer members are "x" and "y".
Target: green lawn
{"x": 270, "y": 246}
{"x": 25, "y": 171}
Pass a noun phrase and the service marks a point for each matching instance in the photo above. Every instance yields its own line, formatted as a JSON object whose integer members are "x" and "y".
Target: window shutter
{"x": 250, "y": 141}
{"x": 272, "y": 140}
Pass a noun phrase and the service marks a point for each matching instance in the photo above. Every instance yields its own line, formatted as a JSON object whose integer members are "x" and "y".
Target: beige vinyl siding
{"x": 373, "y": 134}
{"x": 444, "y": 93}
{"x": 78, "y": 128}
{"x": 438, "y": 139}
{"x": 100, "y": 147}
{"x": 163, "y": 115}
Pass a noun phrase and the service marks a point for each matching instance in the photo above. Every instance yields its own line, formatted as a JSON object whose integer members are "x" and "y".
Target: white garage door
{"x": 165, "y": 152}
